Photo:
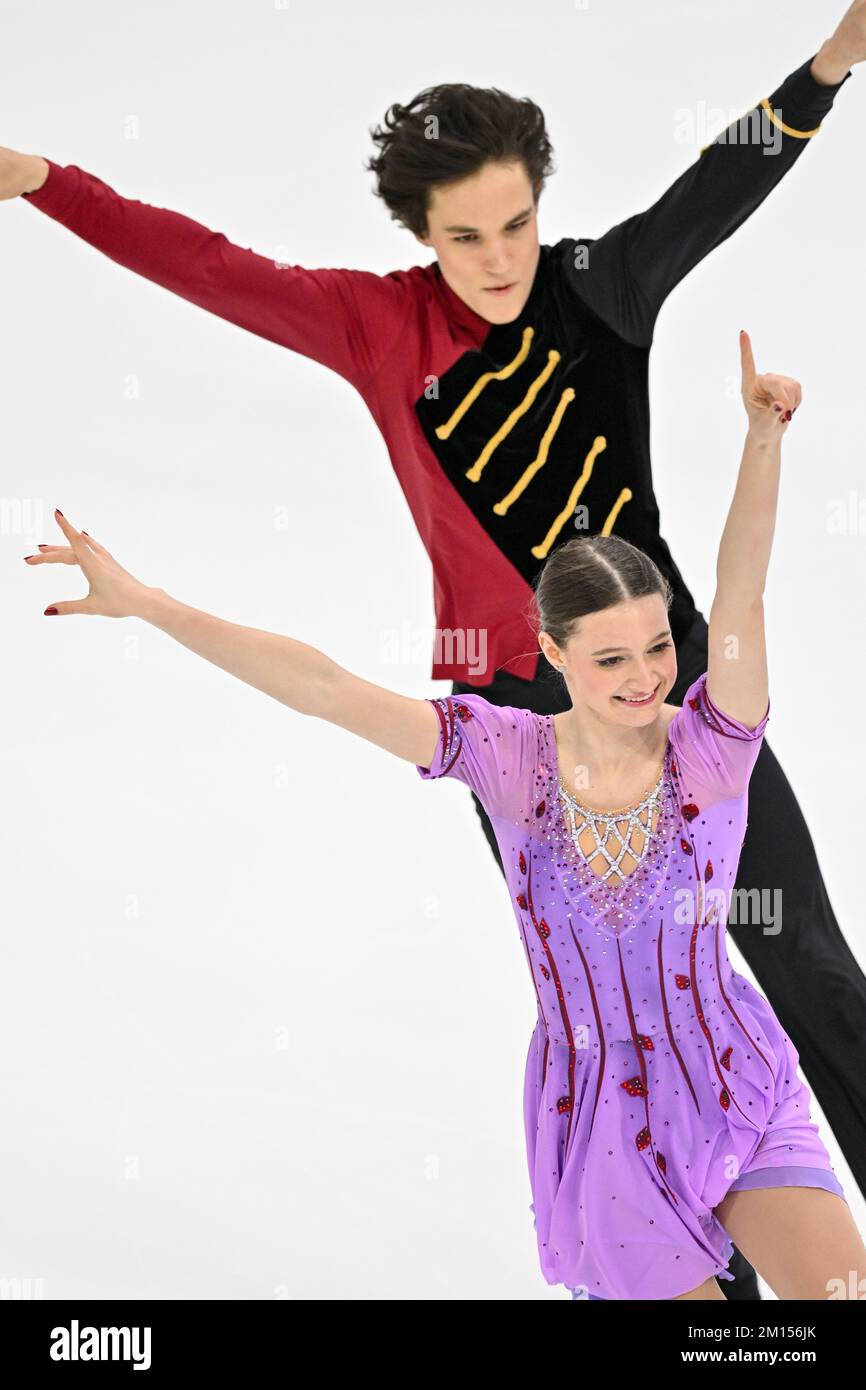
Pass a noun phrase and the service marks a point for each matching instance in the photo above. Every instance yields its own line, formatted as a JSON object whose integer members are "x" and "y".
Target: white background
{"x": 263, "y": 1001}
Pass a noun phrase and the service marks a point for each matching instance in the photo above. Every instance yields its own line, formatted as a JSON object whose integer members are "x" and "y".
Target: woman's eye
{"x": 612, "y": 660}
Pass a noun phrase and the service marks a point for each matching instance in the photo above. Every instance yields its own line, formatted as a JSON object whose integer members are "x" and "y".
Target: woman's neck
{"x": 610, "y": 751}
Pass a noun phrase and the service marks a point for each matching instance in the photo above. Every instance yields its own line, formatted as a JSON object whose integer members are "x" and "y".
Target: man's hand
{"x": 21, "y": 173}
{"x": 844, "y": 48}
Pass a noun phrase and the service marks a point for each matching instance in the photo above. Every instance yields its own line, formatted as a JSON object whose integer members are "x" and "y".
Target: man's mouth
{"x": 500, "y": 289}
{"x": 638, "y": 701}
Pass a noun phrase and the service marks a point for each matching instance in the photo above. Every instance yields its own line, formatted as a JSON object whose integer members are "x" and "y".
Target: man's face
{"x": 484, "y": 232}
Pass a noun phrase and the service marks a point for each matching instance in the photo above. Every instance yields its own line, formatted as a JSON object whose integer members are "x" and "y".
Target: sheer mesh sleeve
{"x": 715, "y": 752}
{"x": 482, "y": 745}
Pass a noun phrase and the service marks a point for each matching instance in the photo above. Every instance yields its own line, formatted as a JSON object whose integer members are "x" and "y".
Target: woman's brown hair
{"x": 587, "y": 574}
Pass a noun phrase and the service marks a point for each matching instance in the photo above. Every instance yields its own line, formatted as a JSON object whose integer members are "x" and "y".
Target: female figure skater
{"x": 664, "y": 1115}
{"x": 533, "y": 349}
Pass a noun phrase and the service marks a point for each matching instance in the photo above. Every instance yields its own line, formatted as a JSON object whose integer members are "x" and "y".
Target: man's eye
{"x": 470, "y": 236}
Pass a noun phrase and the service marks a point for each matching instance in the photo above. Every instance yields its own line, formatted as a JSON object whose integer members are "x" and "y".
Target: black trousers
{"x": 806, "y": 970}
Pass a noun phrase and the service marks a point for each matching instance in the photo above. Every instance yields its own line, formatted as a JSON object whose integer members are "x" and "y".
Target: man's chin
{"x": 500, "y": 308}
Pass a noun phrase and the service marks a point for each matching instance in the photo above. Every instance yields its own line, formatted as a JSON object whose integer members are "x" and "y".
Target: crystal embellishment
{"x": 604, "y": 826}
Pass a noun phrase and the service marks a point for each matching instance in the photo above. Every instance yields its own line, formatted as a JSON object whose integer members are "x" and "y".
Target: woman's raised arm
{"x": 737, "y": 679}
{"x": 292, "y": 672}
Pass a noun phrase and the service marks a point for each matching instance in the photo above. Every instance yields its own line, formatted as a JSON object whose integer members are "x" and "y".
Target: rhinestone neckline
{"x": 615, "y": 908}
{"x": 621, "y": 811}
{"x": 610, "y": 821}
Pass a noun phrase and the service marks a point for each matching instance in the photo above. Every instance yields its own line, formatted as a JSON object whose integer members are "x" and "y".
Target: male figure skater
{"x": 509, "y": 380}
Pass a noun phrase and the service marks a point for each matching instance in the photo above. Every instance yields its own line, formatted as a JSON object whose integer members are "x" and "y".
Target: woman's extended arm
{"x": 292, "y": 672}
{"x": 737, "y": 678}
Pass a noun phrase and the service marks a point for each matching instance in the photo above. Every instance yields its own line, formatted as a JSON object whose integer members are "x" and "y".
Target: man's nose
{"x": 496, "y": 260}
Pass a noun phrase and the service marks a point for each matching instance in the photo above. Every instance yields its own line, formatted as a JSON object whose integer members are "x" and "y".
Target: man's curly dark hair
{"x": 447, "y": 133}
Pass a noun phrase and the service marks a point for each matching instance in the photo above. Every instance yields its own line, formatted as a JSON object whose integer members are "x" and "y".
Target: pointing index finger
{"x": 75, "y": 539}
{"x": 747, "y": 358}
{"x": 66, "y": 527}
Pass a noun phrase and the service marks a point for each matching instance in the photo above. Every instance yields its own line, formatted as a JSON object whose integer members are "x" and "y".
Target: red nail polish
{"x": 49, "y": 610}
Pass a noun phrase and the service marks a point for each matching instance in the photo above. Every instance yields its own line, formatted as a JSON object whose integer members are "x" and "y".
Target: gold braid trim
{"x": 786, "y": 129}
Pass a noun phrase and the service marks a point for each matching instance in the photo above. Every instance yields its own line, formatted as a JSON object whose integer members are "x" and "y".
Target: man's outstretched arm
{"x": 627, "y": 274}
{"x": 346, "y": 319}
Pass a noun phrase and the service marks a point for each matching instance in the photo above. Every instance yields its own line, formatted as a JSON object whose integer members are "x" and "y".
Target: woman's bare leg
{"x": 709, "y": 1289}
{"x": 802, "y": 1240}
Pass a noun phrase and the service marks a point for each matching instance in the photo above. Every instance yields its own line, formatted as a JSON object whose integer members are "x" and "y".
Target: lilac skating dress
{"x": 657, "y": 1077}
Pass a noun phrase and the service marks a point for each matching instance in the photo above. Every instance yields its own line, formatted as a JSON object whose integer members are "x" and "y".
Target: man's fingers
{"x": 747, "y": 358}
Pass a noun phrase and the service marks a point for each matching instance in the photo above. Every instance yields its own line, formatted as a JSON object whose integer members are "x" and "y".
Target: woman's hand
{"x": 114, "y": 592}
{"x": 770, "y": 400}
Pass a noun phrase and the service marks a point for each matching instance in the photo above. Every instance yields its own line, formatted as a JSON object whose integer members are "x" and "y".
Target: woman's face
{"x": 622, "y": 651}
{"x": 485, "y": 234}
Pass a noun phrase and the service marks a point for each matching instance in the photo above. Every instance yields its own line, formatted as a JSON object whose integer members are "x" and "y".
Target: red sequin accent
{"x": 541, "y": 808}
{"x": 708, "y": 871}
{"x": 725, "y": 1100}
{"x": 673, "y": 764}
{"x": 521, "y": 901}
{"x": 695, "y": 702}
{"x": 686, "y": 847}
{"x": 522, "y": 862}
{"x": 643, "y": 1138}
{"x": 543, "y": 929}
{"x": 646, "y": 1042}
{"x": 683, "y": 982}
{"x": 465, "y": 713}
{"x": 661, "y": 1161}
{"x": 563, "y": 1105}
{"x": 545, "y": 972}
{"x": 690, "y": 810}
{"x": 725, "y": 1058}
{"x": 634, "y": 1086}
